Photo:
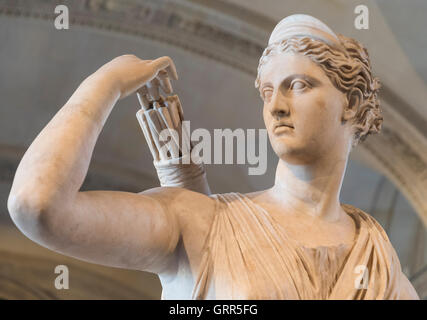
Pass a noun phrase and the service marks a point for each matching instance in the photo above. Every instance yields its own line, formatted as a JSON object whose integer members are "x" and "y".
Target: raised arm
{"x": 119, "y": 229}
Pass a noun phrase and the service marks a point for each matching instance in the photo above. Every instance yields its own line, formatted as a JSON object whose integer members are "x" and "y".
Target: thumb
{"x": 167, "y": 64}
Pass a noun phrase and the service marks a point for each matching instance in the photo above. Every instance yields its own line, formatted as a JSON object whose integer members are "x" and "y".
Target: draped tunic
{"x": 248, "y": 255}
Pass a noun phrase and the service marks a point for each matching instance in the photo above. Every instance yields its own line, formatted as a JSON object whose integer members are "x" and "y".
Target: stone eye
{"x": 267, "y": 93}
{"x": 298, "y": 85}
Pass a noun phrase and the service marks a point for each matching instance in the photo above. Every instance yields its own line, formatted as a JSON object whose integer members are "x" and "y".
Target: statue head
{"x": 318, "y": 90}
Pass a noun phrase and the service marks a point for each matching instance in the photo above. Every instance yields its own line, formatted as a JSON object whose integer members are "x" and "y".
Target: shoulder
{"x": 184, "y": 205}
{"x": 372, "y": 231}
{"x": 365, "y": 220}
{"x": 369, "y": 228}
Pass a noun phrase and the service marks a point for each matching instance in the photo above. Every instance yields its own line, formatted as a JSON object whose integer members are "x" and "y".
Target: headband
{"x": 304, "y": 25}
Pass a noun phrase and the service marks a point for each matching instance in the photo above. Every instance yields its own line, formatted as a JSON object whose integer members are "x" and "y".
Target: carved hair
{"x": 349, "y": 71}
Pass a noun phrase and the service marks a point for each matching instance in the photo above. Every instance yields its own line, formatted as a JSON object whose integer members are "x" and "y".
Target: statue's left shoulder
{"x": 365, "y": 220}
{"x": 399, "y": 287}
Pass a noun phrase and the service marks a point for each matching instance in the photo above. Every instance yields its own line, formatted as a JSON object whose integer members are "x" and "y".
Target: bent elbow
{"x": 27, "y": 215}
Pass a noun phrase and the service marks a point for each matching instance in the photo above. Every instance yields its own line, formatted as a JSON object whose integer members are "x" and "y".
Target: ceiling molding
{"x": 237, "y": 12}
{"x": 166, "y": 22}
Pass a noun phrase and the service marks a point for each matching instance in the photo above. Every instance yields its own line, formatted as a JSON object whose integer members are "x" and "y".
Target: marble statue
{"x": 294, "y": 240}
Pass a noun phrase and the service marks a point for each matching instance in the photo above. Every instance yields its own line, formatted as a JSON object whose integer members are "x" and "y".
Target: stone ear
{"x": 354, "y": 99}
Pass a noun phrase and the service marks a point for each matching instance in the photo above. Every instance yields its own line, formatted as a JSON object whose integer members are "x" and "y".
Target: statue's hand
{"x": 161, "y": 120}
{"x": 128, "y": 73}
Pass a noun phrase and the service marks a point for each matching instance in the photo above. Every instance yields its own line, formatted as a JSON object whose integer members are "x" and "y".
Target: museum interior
{"x": 216, "y": 46}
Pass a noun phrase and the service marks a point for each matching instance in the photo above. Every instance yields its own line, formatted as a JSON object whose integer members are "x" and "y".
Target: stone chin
{"x": 309, "y": 149}
{"x": 293, "y": 152}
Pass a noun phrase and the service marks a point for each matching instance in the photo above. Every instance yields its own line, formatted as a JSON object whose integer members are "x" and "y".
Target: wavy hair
{"x": 348, "y": 70}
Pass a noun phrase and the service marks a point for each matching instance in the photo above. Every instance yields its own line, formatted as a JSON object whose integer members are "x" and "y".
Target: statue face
{"x": 302, "y": 109}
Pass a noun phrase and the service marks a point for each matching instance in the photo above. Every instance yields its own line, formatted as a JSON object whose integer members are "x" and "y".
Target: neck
{"x": 312, "y": 189}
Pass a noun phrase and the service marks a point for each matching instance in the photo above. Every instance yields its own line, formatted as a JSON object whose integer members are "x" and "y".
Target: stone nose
{"x": 279, "y": 107}
{"x": 279, "y": 114}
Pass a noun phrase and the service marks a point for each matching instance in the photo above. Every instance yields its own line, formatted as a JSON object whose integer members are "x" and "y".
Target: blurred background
{"x": 216, "y": 45}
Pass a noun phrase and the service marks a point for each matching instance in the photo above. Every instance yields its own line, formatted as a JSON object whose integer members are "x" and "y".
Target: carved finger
{"x": 165, "y": 83}
{"x": 142, "y": 95}
{"x": 166, "y": 63}
{"x": 153, "y": 89}
{"x": 147, "y": 134}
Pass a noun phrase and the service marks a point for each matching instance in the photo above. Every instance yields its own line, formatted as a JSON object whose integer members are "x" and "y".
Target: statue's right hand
{"x": 128, "y": 73}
